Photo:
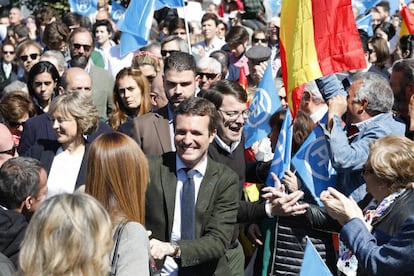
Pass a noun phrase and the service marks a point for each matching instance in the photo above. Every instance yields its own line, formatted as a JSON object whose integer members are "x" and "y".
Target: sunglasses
{"x": 26, "y": 57}
{"x": 165, "y": 52}
{"x": 208, "y": 75}
{"x": 77, "y": 46}
{"x": 8, "y": 52}
{"x": 257, "y": 40}
{"x": 16, "y": 124}
{"x": 11, "y": 151}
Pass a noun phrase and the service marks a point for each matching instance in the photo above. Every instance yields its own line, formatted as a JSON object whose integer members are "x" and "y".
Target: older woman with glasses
{"x": 380, "y": 239}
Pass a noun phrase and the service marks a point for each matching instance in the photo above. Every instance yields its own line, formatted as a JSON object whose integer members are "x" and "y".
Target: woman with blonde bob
{"x": 73, "y": 115}
{"x": 131, "y": 97}
{"x": 117, "y": 176}
{"x": 70, "y": 234}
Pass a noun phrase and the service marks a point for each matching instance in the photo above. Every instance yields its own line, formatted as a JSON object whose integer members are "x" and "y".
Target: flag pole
{"x": 187, "y": 31}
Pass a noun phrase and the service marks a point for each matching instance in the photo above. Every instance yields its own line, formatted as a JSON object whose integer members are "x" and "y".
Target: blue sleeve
{"x": 330, "y": 86}
{"x": 387, "y": 259}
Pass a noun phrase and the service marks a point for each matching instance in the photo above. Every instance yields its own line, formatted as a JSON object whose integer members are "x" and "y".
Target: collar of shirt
{"x": 362, "y": 124}
{"x": 200, "y": 168}
{"x": 318, "y": 115}
{"x": 226, "y": 147}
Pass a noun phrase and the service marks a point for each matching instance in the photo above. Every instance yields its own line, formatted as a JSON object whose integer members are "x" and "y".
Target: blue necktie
{"x": 188, "y": 207}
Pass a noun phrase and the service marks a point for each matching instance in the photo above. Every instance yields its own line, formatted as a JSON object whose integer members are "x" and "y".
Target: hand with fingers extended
{"x": 282, "y": 204}
{"x": 340, "y": 207}
{"x": 254, "y": 234}
{"x": 290, "y": 181}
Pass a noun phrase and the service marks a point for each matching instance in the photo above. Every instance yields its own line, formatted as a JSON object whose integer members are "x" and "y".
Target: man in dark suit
{"x": 192, "y": 243}
{"x": 40, "y": 127}
{"x": 154, "y": 131}
{"x": 8, "y": 69}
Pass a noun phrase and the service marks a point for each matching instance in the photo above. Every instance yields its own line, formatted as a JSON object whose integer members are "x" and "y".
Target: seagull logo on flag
{"x": 317, "y": 153}
{"x": 261, "y": 108}
{"x": 83, "y": 5}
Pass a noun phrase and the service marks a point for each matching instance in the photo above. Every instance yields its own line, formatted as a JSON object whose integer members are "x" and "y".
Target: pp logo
{"x": 317, "y": 154}
{"x": 83, "y": 5}
{"x": 117, "y": 15}
{"x": 260, "y": 107}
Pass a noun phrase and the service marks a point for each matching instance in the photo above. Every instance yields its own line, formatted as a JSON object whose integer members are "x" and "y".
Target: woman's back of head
{"x": 118, "y": 175}
{"x": 70, "y": 234}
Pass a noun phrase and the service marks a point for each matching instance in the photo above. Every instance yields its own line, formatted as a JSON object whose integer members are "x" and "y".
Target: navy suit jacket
{"x": 39, "y": 128}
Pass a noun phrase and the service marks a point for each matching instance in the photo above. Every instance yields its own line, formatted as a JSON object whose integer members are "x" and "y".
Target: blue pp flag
{"x": 83, "y": 7}
{"x": 364, "y": 23}
{"x": 313, "y": 263}
{"x": 265, "y": 102}
{"x": 283, "y": 150}
{"x": 137, "y": 22}
{"x": 117, "y": 11}
{"x": 313, "y": 164}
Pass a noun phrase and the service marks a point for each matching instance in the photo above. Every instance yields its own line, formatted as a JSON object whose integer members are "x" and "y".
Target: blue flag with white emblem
{"x": 313, "y": 263}
{"x": 83, "y": 7}
{"x": 137, "y": 22}
{"x": 117, "y": 11}
{"x": 283, "y": 150}
{"x": 265, "y": 102}
{"x": 313, "y": 165}
{"x": 364, "y": 23}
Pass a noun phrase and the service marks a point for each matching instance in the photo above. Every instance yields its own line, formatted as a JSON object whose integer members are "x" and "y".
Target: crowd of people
{"x": 136, "y": 164}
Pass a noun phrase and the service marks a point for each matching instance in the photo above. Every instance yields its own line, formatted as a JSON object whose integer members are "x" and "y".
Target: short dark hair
{"x": 104, "y": 23}
{"x": 387, "y": 28}
{"x": 210, "y": 16}
{"x": 180, "y": 61}
{"x": 237, "y": 35}
{"x": 196, "y": 106}
{"x": 220, "y": 88}
{"x": 19, "y": 178}
{"x": 385, "y": 5}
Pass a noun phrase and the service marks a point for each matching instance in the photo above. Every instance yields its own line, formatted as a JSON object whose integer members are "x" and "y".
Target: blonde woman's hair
{"x": 391, "y": 157}
{"x": 78, "y": 105}
{"x": 70, "y": 234}
{"x": 117, "y": 176}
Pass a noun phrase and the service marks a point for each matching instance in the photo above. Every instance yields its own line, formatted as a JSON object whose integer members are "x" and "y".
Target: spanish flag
{"x": 407, "y": 25}
{"x": 317, "y": 38}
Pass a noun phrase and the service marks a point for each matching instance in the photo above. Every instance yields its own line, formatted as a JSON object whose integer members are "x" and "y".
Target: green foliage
{"x": 61, "y": 6}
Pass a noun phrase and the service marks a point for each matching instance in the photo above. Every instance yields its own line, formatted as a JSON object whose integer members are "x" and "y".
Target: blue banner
{"x": 83, "y": 7}
{"x": 117, "y": 11}
{"x": 313, "y": 165}
{"x": 313, "y": 263}
{"x": 265, "y": 102}
{"x": 364, "y": 23}
{"x": 283, "y": 150}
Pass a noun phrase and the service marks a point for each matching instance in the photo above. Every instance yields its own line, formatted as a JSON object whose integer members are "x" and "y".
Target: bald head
{"x": 6, "y": 144}
{"x": 77, "y": 79}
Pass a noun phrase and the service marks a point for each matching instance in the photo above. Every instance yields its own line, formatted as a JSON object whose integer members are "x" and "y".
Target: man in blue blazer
{"x": 216, "y": 195}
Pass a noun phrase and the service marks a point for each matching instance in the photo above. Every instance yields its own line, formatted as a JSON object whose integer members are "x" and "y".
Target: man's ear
{"x": 61, "y": 90}
{"x": 27, "y": 203}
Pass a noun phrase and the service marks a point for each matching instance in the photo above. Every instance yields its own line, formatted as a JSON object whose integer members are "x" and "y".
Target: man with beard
{"x": 81, "y": 45}
{"x": 154, "y": 132}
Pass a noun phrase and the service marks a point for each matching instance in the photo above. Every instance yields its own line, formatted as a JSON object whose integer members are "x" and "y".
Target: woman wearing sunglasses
{"x": 16, "y": 107}
{"x": 28, "y": 54}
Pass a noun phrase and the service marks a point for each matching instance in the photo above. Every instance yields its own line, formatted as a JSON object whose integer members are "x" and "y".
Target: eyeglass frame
{"x": 24, "y": 58}
{"x": 11, "y": 151}
{"x": 236, "y": 114}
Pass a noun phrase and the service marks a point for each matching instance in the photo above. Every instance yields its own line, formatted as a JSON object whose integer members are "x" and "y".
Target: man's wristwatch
{"x": 177, "y": 250}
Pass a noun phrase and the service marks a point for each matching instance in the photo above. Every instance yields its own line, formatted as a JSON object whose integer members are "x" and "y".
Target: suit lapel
{"x": 169, "y": 186}
{"x": 205, "y": 193}
{"x": 162, "y": 128}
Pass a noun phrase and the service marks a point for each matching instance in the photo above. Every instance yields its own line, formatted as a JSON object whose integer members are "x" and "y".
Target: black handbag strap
{"x": 116, "y": 238}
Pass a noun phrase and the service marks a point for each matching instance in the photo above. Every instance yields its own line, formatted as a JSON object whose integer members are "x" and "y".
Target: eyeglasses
{"x": 164, "y": 53}
{"x": 16, "y": 124}
{"x": 8, "y": 52}
{"x": 209, "y": 76}
{"x": 86, "y": 47}
{"x": 261, "y": 40}
{"x": 11, "y": 151}
{"x": 367, "y": 170}
{"x": 26, "y": 57}
{"x": 234, "y": 115}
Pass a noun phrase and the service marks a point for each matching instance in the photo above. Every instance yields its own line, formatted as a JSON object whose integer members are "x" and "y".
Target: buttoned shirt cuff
{"x": 267, "y": 209}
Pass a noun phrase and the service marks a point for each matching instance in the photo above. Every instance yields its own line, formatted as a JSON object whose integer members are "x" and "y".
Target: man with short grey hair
{"x": 368, "y": 117}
